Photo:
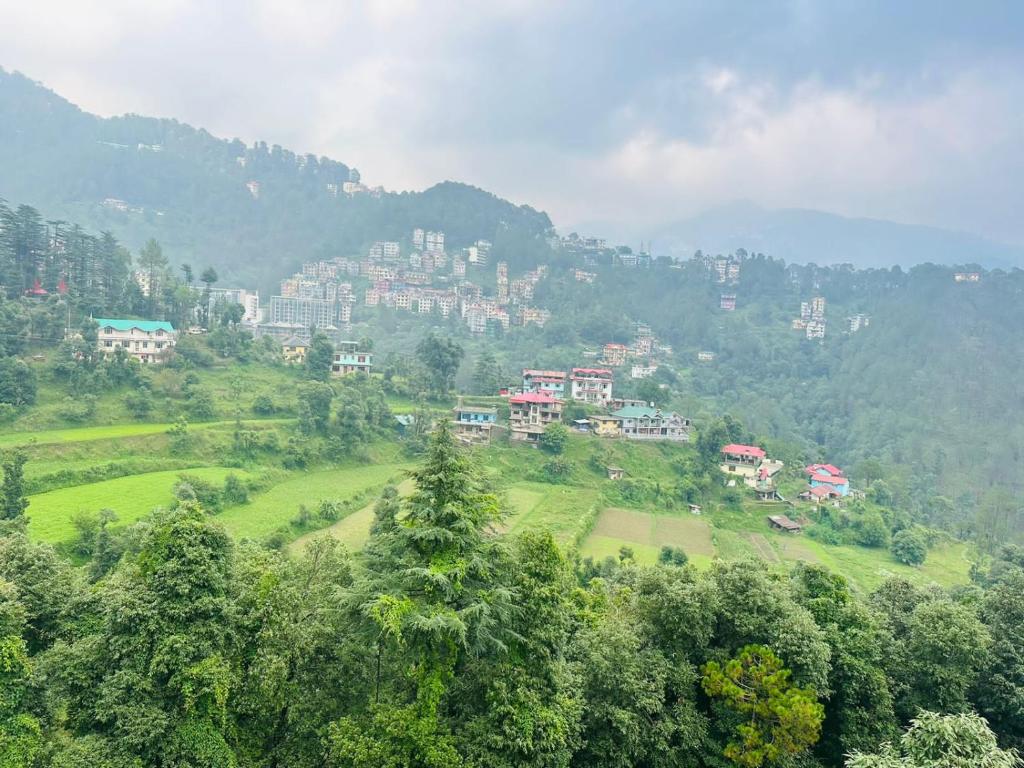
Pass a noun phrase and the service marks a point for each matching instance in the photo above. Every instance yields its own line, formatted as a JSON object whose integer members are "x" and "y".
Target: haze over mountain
{"x": 142, "y": 177}
{"x": 809, "y": 236}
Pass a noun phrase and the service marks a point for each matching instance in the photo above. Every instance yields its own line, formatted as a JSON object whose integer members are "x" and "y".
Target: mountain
{"x": 255, "y": 213}
{"x": 808, "y": 236}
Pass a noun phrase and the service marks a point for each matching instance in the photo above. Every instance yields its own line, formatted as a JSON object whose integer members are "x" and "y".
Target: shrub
{"x": 554, "y": 438}
{"x": 872, "y": 531}
{"x": 670, "y": 555}
{"x": 139, "y": 403}
{"x": 263, "y": 405}
{"x": 909, "y": 547}
{"x": 78, "y": 409}
{"x": 235, "y": 491}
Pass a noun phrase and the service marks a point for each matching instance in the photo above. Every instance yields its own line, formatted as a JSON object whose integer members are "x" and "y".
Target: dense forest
{"x": 446, "y": 644}
{"x": 188, "y": 190}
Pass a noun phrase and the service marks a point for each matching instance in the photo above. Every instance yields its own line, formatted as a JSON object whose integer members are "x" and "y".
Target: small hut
{"x": 616, "y": 473}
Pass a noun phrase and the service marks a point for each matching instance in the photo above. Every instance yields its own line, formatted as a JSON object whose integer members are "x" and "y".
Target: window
{"x": 145, "y": 345}
{"x": 108, "y": 343}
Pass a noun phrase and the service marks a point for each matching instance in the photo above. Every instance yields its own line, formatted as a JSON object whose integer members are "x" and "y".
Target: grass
{"x": 352, "y": 531}
{"x": 109, "y": 432}
{"x": 279, "y": 504}
{"x": 130, "y": 497}
{"x": 645, "y": 533}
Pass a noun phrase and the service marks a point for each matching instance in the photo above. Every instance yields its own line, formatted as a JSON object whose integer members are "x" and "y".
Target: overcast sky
{"x": 639, "y": 113}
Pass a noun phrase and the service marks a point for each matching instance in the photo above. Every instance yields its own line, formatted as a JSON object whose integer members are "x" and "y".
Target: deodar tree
{"x": 775, "y": 718}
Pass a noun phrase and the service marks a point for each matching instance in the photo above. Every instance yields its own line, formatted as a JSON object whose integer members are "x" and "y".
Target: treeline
{"x": 446, "y": 644}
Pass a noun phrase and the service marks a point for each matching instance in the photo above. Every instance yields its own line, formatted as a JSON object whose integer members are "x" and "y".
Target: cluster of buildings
{"x": 724, "y": 270}
{"x": 541, "y": 400}
{"x": 855, "y": 322}
{"x": 641, "y": 353}
{"x": 825, "y": 481}
{"x": 812, "y": 318}
{"x": 751, "y": 465}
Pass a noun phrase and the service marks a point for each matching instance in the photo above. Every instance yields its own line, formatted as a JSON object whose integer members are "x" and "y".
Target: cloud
{"x": 590, "y": 110}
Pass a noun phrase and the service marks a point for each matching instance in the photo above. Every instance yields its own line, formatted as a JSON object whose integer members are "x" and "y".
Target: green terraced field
{"x": 130, "y": 497}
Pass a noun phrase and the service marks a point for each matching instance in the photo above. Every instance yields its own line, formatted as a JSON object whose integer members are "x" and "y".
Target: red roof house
{"x": 749, "y": 451}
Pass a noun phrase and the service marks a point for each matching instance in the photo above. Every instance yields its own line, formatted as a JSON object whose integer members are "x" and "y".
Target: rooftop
{"x": 637, "y": 412}
{"x": 744, "y": 450}
{"x": 591, "y": 372}
{"x": 533, "y": 397}
{"x": 143, "y": 325}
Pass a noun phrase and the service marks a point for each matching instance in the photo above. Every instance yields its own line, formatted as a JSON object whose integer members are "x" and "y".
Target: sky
{"x": 630, "y": 114}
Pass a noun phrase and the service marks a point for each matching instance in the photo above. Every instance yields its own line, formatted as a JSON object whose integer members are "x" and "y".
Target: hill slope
{"x": 191, "y": 191}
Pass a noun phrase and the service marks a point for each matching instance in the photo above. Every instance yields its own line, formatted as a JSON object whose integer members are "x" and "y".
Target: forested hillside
{"x": 191, "y": 191}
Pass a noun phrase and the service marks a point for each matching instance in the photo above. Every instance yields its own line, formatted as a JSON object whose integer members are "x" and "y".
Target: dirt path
{"x": 352, "y": 530}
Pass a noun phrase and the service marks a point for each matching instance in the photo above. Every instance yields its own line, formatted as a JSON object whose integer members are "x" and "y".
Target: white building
{"x": 250, "y": 301}
{"x": 592, "y": 385}
{"x": 146, "y": 340}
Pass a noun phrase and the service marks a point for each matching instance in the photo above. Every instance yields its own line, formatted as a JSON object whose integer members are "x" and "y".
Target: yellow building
{"x": 606, "y": 426}
{"x": 294, "y": 350}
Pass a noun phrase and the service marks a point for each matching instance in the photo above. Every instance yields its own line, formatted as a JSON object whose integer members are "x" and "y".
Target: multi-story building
{"x": 815, "y": 329}
{"x": 591, "y": 385}
{"x": 473, "y": 424}
{"x": 349, "y": 359}
{"x": 818, "y": 308}
{"x": 530, "y": 413}
{"x": 857, "y": 322}
{"x": 458, "y": 267}
{"x": 967, "y": 277}
{"x": 385, "y": 250}
{"x": 548, "y": 382}
{"x": 727, "y": 302}
{"x": 433, "y": 242}
{"x": 250, "y": 301}
{"x": 148, "y": 341}
{"x": 805, "y": 311}
{"x": 705, "y": 357}
{"x": 581, "y": 276}
{"x": 502, "y": 284}
{"x": 614, "y": 354}
{"x": 305, "y": 313}
{"x": 643, "y": 371}
{"x": 649, "y": 423}
{"x": 532, "y": 316}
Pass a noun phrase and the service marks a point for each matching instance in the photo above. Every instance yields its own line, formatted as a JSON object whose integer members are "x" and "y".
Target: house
{"x": 827, "y": 475}
{"x": 616, "y": 473}
{"x": 742, "y": 459}
{"x": 146, "y": 340}
{"x": 727, "y": 301}
{"x": 404, "y": 422}
{"x": 649, "y": 423}
{"x": 549, "y": 382}
{"x": 763, "y": 484}
{"x": 606, "y": 426}
{"x": 617, "y": 403}
{"x": 783, "y": 523}
{"x": 643, "y": 371}
{"x": 530, "y": 413}
{"x": 293, "y": 349}
{"x": 615, "y": 354}
{"x": 473, "y": 424}
{"x": 348, "y": 359}
{"x": 705, "y": 357}
{"x": 819, "y": 494}
{"x": 581, "y": 425}
{"x": 592, "y": 385}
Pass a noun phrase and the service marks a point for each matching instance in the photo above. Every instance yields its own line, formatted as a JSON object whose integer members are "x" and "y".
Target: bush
{"x": 556, "y": 470}
{"x": 200, "y": 404}
{"x": 193, "y": 488}
{"x": 909, "y": 547}
{"x": 263, "y": 405}
{"x": 139, "y": 403}
{"x": 329, "y": 510}
{"x": 235, "y": 491}
{"x": 17, "y": 382}
{"x": 303, "y": 518}
{"x": 872, "y": 531}
{"x": 670, "y": 555}
{"x": 554, "y": 438}
{"x": 78, "y": 409}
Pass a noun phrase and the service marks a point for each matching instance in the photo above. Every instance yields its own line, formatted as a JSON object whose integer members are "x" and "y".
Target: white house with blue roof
{"x": 146, "y": 340}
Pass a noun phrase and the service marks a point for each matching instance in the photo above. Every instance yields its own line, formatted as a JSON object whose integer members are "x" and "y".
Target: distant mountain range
{"x": 808, "y": 236}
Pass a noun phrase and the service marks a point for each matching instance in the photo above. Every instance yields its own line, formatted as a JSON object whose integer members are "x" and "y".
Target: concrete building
{"x": 473, "y": 424}
{"x": 649, "y": 423}
{"x": 250, "y": 301}
{"x": 349, "y": 359}
{"x": 548, "y": 382}
{"x": 530, "y": 413}
{"x": 592, "y": 385}
{"x": 614, "y": 354}
{"x": 148, "y": 341}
